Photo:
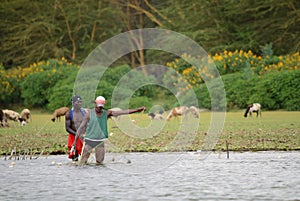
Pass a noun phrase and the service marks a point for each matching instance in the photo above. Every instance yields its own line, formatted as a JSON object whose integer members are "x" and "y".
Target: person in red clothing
{"x": 73, "y": 119}
{"x": 94, "y": 126}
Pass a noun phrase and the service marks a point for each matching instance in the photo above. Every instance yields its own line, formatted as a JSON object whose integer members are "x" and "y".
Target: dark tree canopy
{"x": 37, "y": 30}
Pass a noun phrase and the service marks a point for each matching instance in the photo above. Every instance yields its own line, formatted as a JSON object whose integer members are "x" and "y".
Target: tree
{"x": 38, "y": 30}
{"x": 138, "y": 14}
{"x": 230, "y": 24}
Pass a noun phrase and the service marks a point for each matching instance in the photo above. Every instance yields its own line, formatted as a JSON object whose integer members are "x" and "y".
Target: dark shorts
{"x": 93, "y": 143}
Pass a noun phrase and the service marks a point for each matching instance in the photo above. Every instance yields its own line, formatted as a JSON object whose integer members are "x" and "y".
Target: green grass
{"x": 278, "y": 130}
{"x": 274, "y": 131}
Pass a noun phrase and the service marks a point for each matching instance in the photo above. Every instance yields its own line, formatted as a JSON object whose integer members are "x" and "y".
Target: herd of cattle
{"x": 175, "y": 112}
{"x": 22, "y": 119}
{"x": 25, "y": 116}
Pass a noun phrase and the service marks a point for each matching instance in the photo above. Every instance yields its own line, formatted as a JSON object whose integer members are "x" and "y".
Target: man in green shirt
{"x": 94, "y": 125}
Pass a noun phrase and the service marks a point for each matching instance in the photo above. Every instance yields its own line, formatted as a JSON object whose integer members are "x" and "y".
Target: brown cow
{"x": 58, "y": 113}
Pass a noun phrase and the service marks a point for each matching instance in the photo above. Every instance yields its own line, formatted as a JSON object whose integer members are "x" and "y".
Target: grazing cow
{"x": 178, "y": 111}
{"x": 1, "y": 118}
{"x": 194, "y": 111}
{"x": 255, "y": 107}
{"x": 58, "y": 113}
{"x": 14, "y": 116}
{"x": 155, "y": 116}
{"x": 26, "y": 115}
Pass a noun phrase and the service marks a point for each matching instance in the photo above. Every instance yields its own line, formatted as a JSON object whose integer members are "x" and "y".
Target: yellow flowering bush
{"x": 188, "y": 76}
{"x": 11, "y": 80}
{"x": 230, "y": 62}
{"x": 5, "y": 86}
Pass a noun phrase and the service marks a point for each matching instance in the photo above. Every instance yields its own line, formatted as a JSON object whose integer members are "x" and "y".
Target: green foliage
{"x": 50, "y": 84}
{"x": 32, "y": 31}
{"x": 231, "y": 25}
{"x": 215, "y": 90}
{"x": 284, "y": 89}
{"x": 6, "y": 89}
{"x": 238, "y": 89}
{"x": 37, "y": 87}
{"x": 140, "y": 101}
{"x": 267, "y": 50}
{"x": 109, "y": 80}
{"x": 121, "y": 84}
{"x": 34, "y": 88}
{"x": 61, "y": 93}
{"x": 203, "y": 96}
{"x": 248, "y": 78}
{"x": 273, "y": 91}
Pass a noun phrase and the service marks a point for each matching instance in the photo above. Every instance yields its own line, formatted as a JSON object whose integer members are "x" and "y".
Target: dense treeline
{"x": 43, "y": 44}
{"x": 273, "y": 81}
{"x": 33, "y": 31}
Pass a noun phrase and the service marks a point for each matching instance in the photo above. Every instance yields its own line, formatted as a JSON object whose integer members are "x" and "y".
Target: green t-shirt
{"x": 97, "y": 126}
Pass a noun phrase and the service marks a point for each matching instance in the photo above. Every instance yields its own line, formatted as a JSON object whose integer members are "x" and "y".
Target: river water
{"x": 155, "y": 176}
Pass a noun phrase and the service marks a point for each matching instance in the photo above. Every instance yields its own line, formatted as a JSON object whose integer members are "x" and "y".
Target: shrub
{"x": 273, "y": 91}
{"x": 137, "y": 102}
{"x": 37, "y": 86}
{"x": 60, "y": 94}
{"x": 131, "y": 85}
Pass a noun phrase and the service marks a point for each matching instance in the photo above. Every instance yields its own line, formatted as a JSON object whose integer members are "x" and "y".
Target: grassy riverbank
{"x": 278, "y": 130}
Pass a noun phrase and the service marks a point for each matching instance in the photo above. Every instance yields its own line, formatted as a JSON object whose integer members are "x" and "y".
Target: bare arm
{"x": 82, "y": 128}
{"x": 68, "y": 124}
{"x": 124, "y": 112}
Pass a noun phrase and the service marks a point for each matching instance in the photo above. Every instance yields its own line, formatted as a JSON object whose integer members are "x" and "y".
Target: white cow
{"x": 14, "y": 116}
{"x": 26, "y": 115}
{"x": 255, "y": 107}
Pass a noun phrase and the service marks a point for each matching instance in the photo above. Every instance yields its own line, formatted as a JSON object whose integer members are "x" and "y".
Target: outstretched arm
{"x": 124, "y": 112}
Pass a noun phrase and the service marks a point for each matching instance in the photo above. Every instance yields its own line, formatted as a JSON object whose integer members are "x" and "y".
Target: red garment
{"x": 79, "y": 145}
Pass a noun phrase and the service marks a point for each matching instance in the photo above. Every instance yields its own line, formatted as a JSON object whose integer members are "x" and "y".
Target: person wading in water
{"x": 94, "y": 125}
{"x": 73, "y": 119}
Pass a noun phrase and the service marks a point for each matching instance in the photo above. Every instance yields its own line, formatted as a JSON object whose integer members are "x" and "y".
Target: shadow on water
{"x": 155, "y": 176}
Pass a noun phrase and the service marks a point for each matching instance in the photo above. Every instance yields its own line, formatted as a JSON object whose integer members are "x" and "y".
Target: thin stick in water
{"x": 227, "y": 151}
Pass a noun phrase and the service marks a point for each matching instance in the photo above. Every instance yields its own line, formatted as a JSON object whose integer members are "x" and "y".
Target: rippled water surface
{"x": 155, "y": 176}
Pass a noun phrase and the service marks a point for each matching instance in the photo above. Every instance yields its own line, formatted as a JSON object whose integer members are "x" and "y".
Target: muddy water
{"x": 155, "y": 176}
